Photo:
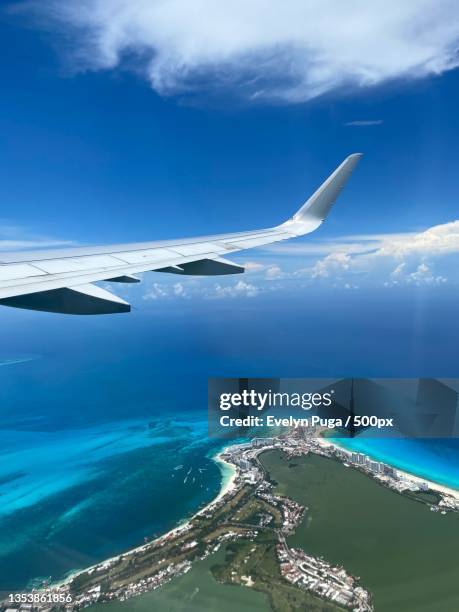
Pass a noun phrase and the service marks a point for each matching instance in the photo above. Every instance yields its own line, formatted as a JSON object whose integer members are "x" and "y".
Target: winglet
{"x": 316, "y": 208}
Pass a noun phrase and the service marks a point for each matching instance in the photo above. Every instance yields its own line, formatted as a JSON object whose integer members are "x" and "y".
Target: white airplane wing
{"x": 61, "y": 280}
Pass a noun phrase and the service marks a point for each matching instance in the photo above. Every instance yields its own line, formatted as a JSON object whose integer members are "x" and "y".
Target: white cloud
{"x": 423, "y": 258}
{"x": 437, "y": 240}
{"x": 398, "y": 272}
{"x": 239, "y": 289}
{"x": 422, "y": 275}
{"x": 169, "y": 289}
{"x": 274, "y": 272}
{"x": 197, "y": 288}
{"x": 358, "y": 243}
{"x": 331, "y": 265}
{"x": 440, "y": 239}
{"x": 156, "y": 291}
{"x": 291, "y": 50}
{"x": 253, "y": 266}
{"x": 179, "y": 290}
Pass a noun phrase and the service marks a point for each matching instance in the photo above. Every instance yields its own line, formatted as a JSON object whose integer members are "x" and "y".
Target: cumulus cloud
{"x": 168, "y": 290}
{"x": 239, "y": 289}
{"x": 331, "y": 265}
{"x": 422, "y": 275}
{"x": 437, "y": 240}
{"x": 290, "y": 50}
{"x": 274, "y": 272}
{"x": 201, "y": 288}
{"x": 180, "y": 290}
{"x": 156, "y": 292}
{"x": 423, "y": 258}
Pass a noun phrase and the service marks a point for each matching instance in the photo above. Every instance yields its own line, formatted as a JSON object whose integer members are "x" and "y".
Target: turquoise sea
{"x": 434, "y": 459}
{"x": 72, "y": 497}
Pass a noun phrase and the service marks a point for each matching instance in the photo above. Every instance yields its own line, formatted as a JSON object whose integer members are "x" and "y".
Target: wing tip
{"x": 353, "y": 157}
{"x": 314, "y": 211}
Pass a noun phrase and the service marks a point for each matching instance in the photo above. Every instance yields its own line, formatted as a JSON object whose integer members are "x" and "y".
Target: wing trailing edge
{"x": 80, "y": 300}
{"x": 61, "y": 281}
{"x": 217, "y": 266}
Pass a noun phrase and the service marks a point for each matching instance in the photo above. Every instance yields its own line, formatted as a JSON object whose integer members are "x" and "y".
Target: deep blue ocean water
{"x": 95, "y": 413}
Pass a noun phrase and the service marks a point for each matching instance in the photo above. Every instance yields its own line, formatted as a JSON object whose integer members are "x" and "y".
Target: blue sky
{"x": 116, "y": 129}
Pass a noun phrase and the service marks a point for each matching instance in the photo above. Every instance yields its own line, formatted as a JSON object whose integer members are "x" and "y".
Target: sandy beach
{"x": 326, "y": 442}
{"x": 229, "y": 473}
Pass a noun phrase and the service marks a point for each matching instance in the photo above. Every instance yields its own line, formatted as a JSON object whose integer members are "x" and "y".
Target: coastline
{"x": 228, "y": 472}
{"x": 445, "y": 490}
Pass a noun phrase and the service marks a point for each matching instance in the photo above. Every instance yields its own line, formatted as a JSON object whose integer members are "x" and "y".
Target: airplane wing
{"x": 62, "y": 280}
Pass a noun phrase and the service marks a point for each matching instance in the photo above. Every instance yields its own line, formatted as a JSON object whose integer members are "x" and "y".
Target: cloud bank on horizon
{"x": 383, "y": 260}
{"x": 290, "y": 51}
{"x": 416, "y": 259}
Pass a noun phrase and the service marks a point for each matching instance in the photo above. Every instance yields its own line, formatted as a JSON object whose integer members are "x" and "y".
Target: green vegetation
{"x": 255, "y": 510}
{"x": 195, "y": 591}
{"x": 245, "y": 572}
{"x": 134, "y": 566}
{"x": 428, "y": 497}
{"x": 211, "y": 585}
{"x": 255, "y": 564}
{"x": 406, "y": 555}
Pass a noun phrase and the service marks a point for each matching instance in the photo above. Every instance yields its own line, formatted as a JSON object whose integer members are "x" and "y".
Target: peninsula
{"x": 254, "y": 522}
